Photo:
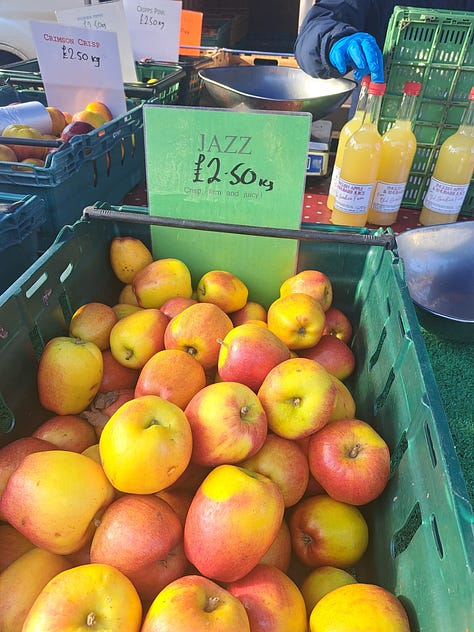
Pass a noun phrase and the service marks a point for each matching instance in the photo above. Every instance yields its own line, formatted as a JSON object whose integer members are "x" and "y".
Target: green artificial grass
{"x": 453, "y": 367}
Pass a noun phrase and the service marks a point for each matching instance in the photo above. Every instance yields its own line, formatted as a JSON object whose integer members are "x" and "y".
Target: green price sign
{"x": 228, "y": 166}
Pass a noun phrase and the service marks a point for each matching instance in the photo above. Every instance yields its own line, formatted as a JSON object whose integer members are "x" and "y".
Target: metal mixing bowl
{"x": 275, "y": 88}
{"x": 439, "y": 271}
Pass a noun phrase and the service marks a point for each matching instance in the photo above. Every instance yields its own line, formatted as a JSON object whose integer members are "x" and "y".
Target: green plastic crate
{"x": 19, "y": 235}
{"x": 436, "y": 48}
{"x": 421, "y": 541}
{"x": 106, "y": 163}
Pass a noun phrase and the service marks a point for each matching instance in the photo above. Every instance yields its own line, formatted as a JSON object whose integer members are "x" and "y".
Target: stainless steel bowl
{"x": 439, "y": 271}
{"x": 275, "y": 88}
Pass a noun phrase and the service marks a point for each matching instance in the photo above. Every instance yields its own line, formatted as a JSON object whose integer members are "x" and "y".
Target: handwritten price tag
{"x": 228, "y": 166}
{"x": 79, "y": 66}
{"x": 190, "y": 32}
{"x": 154, "y": 27}
{"x": 109, "y": 16}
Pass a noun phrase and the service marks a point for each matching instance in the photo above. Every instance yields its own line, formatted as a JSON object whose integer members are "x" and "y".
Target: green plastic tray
{"x": 421, "y": 528}
{"x": 436, "y": 48}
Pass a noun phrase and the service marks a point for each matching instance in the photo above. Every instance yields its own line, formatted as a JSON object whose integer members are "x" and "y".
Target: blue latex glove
{"x": 359, "y": 51}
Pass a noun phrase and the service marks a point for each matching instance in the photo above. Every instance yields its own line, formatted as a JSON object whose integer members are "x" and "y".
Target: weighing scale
{"x": 319, "y": 147}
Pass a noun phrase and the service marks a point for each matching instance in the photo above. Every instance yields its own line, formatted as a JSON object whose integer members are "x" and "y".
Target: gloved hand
{"x": 359, "y": 51}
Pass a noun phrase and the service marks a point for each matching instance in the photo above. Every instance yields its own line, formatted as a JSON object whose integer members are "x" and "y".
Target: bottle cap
{"x": 365, "y": 81}
{"x": 412, "y": 87}
{"x": 377, "y": 88}
{"x": 471, "y": 94}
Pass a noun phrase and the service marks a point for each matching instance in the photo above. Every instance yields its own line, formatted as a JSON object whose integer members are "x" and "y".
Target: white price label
{"x": 79, "y": 66}
{"x": 109, "y": 16}
{"x": 154, "y": 27}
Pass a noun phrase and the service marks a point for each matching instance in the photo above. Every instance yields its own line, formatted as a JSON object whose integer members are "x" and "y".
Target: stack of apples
{"x": 202, "y": 467}
{"x": 63, "y": 127}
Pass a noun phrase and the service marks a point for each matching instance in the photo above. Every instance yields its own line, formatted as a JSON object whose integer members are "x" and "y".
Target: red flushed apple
{"x": 12, "y": 454}
{"x": 74, "y": 128}
{"x": 141, "y": 536}
{"x": 232, "y": 521}
{"x": 272, "y": 600}
{"x": 195, "y": 603}
{"x": 312, "y": 282}
{"x": 250, "y": 311}
{"x": 285, "y": 463}
{"x": 350, "y": 460}
{"x": 12, "y": 545}
{"x": 279, "y": 553}
{"x": 228, "y": 423}
{"x": 115, "y": 375}
{"x": 247, "y": 354}
{"x": 174, "y": 305}
{"x": 344, "y": 404}
{"x": 338, "y": 324}
{"x": 68, "y": 432}
{"x": 334, "y": 354}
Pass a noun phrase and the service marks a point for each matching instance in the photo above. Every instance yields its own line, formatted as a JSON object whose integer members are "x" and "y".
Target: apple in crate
{"x": 246, "y": 510}
{"x": 54, "y": 498}
{"x": 250, "y": 311}
{"x": 75, "y": 128}
{"x": 312, "y": 282}
{"x": 228, "y": 423}
{"x": 272, "y": 600}
{"x": 195, "y": 603}
{"x": 359, "y": 606}
{"x": 160, "y": 280}
{"x": 7, "y": 154}
{"x": 95, "y": 596}
{"x": 222, "y": 288}
{"x": 350, "y": 460}
{"x": 23, "y": 581}
{"x": 142, "y": 537}
{"x": 338, "y": 324}
{"x": 334, "y": 354}
{"x": 322, "y": 580}
{"x": 18, "y": 130}
{"x": 69, "y": 375}
{"x": 298, "y": 319}
{"x": 68, "y": 432}
{"x": 248, "y": 353}
{"x": 127, "y": 256}
{"x": 12, "y": 545}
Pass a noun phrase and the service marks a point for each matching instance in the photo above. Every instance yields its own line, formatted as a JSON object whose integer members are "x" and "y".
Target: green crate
{"x": 436, "y": 48}
{"x": 106, "y": 163}
{"x": 421, "y": 541}
{"x": 19, "y": 235}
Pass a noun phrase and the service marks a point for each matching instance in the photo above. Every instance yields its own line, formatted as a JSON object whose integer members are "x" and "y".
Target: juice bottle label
{"x": 443, "y": 197}
{"x": 336, "y": 172}
{"x": 353, "y": 198}
{"x": 388, "y": 196}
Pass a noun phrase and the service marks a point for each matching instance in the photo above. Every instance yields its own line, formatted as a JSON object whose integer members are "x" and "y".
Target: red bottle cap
{"x": 412, "y": 87}
{"x": 377, "y": 88}
{"x": 365, "y": 81}
{"x": 471, "y": 94}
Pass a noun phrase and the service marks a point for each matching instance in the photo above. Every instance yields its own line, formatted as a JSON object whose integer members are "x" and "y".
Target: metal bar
{"x": 387, "y": 240}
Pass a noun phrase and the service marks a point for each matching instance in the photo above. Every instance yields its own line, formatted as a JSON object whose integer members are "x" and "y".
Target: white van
{"x": 16, "y": 41}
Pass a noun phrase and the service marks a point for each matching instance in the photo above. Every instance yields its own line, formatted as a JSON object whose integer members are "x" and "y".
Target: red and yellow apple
{"x": 138, "y": 336}
{"x": 93, "y": 322}
{"x": 160, "y": 280}
{"x": 198, "y": 604}
{"x": 247, "y": 354}
{"x": 115, "y": 375}
{"x": 67, "y": 432}
{"x": 223, "y": 288}
{"x": 334, "y": 354}
{"x": 298, "y": 397}
{"x": 228, "y": 423}
{"x": 175, "y": 305}
{"x": 350, "y": 460}
{"x": 12, "y": 545}
{"x": 312, "y": 282}
{"x": 322, "y": 580}
{"x": 279, "y": 553}
{"x": 54, "y": 497}
{"x": 297, "y": 319}
{"x": 338, "y": 324}
{"x": 250, "y": 311}
{"x": 19, "y": 130}
{"x": 246, "y": 508}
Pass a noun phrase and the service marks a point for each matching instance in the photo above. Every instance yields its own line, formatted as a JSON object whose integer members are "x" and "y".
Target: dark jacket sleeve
{"x": 326, "y": 22}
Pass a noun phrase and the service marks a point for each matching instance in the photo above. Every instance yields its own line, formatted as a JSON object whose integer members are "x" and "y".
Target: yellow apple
{"x": 246, "y": 509}
{"x": 92, "y": 596}
{"x": 69, "y": 375}
{"x": 86, "y": 116}
{"x": 344, "y": 404}
{"x": 54, "y": 497}
{"x": 322, "y": 580}
{"x": 222, "y": 288}
{"x": 58, "y": 120}
{"x": 146, "y": 445}
{"x": 135, "y": 338}
{"x": 160, "y": 280}
{"x": 19, "y": 130}
{"x": 7, "y": 154}
{"x": 101, "y": 108}
{"x": 127, "y": 256}
{"x": 298, "y": 397}
{"x": 298, "y": 319}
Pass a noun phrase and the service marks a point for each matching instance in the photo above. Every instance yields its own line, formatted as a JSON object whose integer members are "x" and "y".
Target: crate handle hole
{"x": 376, "y": 354}
{"x": 382, "y": 398}
{"x": 36, "y": 285}
{"x": 431, "y": 449}
{"x": 7, "y": 419}
{"x": 436, "y": 536}
{"x": 402, "y": 538}
{"x": 398, "y": 453}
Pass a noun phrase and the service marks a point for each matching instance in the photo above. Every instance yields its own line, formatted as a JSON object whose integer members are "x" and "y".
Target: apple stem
{"x": 90, "y": 620}
{"x": 296, "y": 401}
{"x": 244, "y": 411}
{"x": 221, "y": 342}
{"x": 211, "y": 604}
{"x": 355, "y": 451}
